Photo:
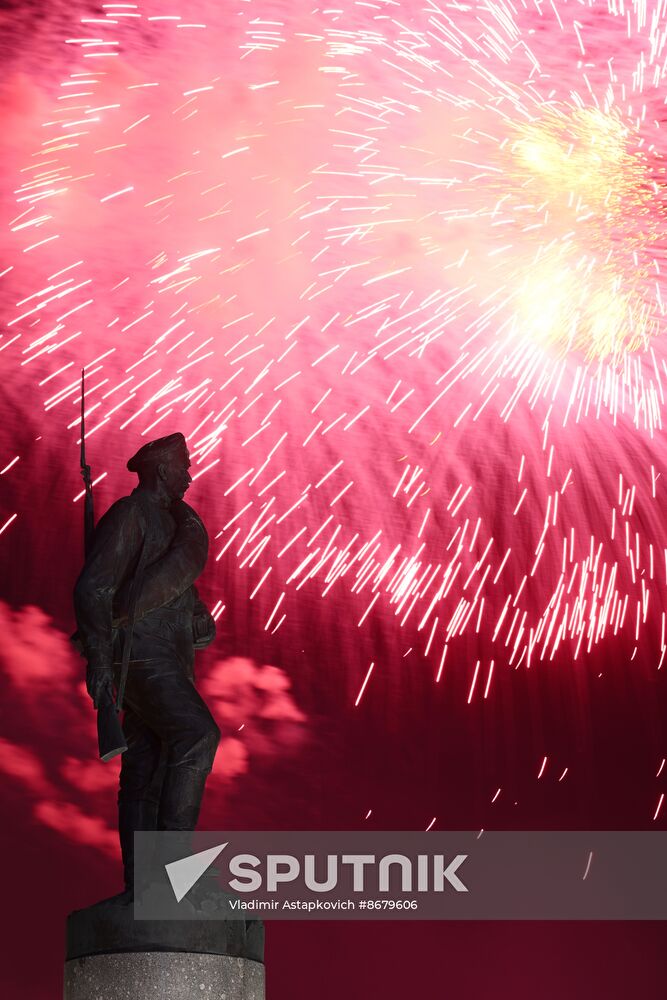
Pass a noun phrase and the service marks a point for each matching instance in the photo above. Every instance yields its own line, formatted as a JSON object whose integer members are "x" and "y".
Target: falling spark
{"x": 363, "y": 686}
{"x": 9, "y": 521}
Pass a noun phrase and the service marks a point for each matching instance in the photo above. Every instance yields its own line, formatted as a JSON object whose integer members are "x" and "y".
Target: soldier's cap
{"x": 160, "y": 450}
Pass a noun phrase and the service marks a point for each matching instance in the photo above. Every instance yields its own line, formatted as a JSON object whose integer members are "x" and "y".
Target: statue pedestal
{"x": 163, "y": 975}
{"x": 112, "y": 956}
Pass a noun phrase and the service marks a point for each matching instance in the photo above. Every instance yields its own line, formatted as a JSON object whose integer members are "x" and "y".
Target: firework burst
{"x": 403, "y": 273}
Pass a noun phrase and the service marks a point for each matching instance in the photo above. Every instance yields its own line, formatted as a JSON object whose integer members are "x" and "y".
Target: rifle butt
{"x": 110, "y": 737}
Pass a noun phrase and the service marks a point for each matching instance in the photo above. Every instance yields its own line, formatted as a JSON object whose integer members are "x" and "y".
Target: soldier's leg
{"x": 174, "y": 711}
{"x": 138, "y": 794}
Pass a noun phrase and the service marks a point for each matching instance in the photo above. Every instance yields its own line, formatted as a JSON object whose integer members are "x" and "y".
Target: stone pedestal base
{"x": 112, "y": 956}
{"x": 163, "y": 975}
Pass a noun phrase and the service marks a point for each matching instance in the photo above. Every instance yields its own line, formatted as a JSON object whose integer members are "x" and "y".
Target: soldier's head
{"x": 162, "y": 466}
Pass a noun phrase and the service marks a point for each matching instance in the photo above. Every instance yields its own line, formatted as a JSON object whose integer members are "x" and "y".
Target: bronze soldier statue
{"x": 135, "y": 600}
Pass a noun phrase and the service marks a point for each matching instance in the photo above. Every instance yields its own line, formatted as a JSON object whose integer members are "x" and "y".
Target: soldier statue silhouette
{"x": 139, "y": 621}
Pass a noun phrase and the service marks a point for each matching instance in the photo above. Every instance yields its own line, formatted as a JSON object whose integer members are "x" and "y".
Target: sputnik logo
{"x": 186, "y": 872}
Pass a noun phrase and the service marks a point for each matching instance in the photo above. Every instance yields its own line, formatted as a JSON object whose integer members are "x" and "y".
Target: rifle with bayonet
{"x": 110, "y": 736}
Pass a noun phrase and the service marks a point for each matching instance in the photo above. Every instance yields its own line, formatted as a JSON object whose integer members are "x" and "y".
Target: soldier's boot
{"x": 180, "y": 803}
{"x": 137, "y": 814}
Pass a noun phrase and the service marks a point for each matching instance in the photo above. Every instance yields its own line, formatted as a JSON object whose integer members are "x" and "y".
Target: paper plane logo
{"x": 186, "y": 872}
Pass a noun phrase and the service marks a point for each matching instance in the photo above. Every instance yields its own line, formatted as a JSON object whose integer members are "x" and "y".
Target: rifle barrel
{"x": 88, "y": 509}
{"x": 83, "y": 421}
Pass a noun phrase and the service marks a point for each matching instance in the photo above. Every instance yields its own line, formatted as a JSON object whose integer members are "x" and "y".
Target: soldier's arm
{"x": 176, "y": 571}
{"x": 115, "y": 551}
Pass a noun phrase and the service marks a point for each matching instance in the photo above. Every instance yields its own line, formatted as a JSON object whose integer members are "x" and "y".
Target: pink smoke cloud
{"x": 69, "y": 789}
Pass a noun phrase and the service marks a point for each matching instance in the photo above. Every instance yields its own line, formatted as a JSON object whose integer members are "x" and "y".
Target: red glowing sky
{"x": 411, "y": 324}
